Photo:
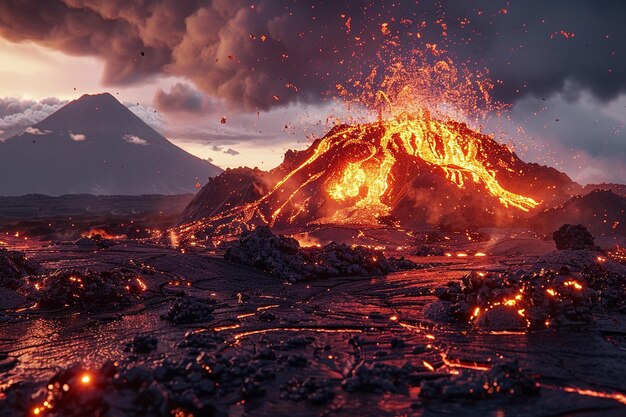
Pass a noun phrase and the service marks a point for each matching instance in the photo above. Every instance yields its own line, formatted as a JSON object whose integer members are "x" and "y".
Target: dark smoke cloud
{"x": 180, "y": 98}
{"x": 268, "y": 53}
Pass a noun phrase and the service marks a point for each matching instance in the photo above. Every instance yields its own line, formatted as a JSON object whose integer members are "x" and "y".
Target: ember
{"x": 83, "y": 288}
{"x": 516, "y": 300}
{"x": 503, "y": 379}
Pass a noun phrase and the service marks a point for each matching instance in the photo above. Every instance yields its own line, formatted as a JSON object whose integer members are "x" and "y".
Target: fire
{"x": 357, "y": 172}
{"x": 619, "y": 397}
{"x": 103, "y": 233}
{"x": 306, "y": 240}
{"x": 418, "y": 136}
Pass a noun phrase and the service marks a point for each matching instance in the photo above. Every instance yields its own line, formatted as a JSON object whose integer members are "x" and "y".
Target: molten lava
{"x": 434, "y": 142}
{"x": 417, "y": 163}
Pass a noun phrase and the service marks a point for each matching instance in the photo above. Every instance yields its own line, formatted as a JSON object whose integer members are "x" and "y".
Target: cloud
{"x": 20, "y": 115}
{"x": 149, "y": 115}
{"x": 17, "y": 115}
{"x": 135, "y": 140}
{"x": 229, "y": 151}
{"x": 77, "y": 137}
{"x": 585, "y": 138}
{"x": 35, "y": 131}
{"x": 267, "y": 54}
{"x": 181, "y": 98}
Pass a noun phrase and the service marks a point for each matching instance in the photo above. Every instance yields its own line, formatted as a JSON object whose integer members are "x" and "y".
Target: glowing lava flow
{"x": 351, "y": 170}
{"x": 433, "y": 141}
{"x": 359, "y": 173}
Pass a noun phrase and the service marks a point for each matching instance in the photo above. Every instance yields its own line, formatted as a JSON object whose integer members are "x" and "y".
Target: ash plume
{"x": 270, "y": 53}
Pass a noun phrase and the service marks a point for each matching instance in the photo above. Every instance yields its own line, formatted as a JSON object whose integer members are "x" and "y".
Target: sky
{"x": 240, "y": 82}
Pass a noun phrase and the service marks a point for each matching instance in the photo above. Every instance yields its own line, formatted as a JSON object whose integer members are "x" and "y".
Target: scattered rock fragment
{"x": 515, "y": 300}
{"x": 428, "y": 250}
{"x": 82, "y": 288}
{"x": 380, "y": 377}
{"x": 14, "y": 266}
{"x": 201, "y": 340}
{"x": 143, "y": 344}
{"x": 309, "y": 389}
{"x": 267, "y": 316}
{"x": 187, "y": 310}
{"x": 282, "y": 256}
{"x": 503, "y": 379}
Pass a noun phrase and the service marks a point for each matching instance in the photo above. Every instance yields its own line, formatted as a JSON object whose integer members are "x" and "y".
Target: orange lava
{"x": 617, "y": 396}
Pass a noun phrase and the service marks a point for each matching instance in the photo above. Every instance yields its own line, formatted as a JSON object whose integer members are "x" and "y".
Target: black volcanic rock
{"x": 573, "y": 237}
{"x": 14, "y": 266}
{"x": 96, "y": 145}
{"x": 515, "y": 300}
{"x": 504, "y": 379}
{"x": 66, "y": 288}
{"x": 283, "y": 257}
{"x": 188, "y": 309}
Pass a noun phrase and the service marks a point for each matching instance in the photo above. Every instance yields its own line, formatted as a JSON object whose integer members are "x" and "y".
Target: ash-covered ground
{"x": 489, "y": 323}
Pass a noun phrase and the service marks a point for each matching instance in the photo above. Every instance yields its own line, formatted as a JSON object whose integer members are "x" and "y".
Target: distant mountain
{"x": 96, "y": 145}
{"x": 619, "y": 189}
{"x": 602, "y": 212}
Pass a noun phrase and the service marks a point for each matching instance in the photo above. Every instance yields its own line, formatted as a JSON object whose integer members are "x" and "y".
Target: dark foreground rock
{"x": 14, "y": 266}
{"x": 84, "y": 288}
{"x": 186, "y": 387}
{"x": 516, "y": 300}
{"x": 574, "y": 237}
{"x": 503, "y": 379}
{"x": 283, "y": 257}
{"x": 188, "y": 309}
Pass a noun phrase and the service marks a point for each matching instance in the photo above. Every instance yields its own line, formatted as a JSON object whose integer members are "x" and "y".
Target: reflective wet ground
{"x": 327, "y": 329}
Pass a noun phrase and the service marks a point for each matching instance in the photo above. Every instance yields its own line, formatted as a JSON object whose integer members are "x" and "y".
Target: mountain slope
{"x": 602, "y": 212}
{"x": 96, "y": 145}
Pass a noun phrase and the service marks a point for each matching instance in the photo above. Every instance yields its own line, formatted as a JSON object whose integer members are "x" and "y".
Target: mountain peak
{"x": 98, "y": 98}
{"x": 96, "y": 145}
{"x": 99, "y": 115}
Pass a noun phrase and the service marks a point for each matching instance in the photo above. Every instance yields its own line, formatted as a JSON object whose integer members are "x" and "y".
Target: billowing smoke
{"x": 268, "y": 53}
{"x": 180, "y": 98}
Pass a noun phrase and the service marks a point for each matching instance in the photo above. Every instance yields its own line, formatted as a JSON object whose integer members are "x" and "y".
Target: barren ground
{"x": 313, "y": 326}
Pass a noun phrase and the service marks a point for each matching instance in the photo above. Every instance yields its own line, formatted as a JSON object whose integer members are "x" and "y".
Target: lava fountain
{"x": 361, "y": 172}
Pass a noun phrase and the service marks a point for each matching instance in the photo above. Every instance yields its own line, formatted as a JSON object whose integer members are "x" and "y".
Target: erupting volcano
{"x": 409, "y": 257}
{"x": 415, "y": 165}
{"x": 414, "y": 169}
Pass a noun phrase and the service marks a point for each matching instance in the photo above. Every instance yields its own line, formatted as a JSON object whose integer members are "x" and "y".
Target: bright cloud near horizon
{"x": 241, "y": 82}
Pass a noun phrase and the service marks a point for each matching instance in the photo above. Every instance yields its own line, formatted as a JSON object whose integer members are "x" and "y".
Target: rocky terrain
{"x": 181, "y": 332}
{"x": 71, "y": 216}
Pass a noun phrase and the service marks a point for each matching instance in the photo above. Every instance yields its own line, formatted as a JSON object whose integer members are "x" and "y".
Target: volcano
{"x": 412, "y": 170}
{"x": 96, "y": 145}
